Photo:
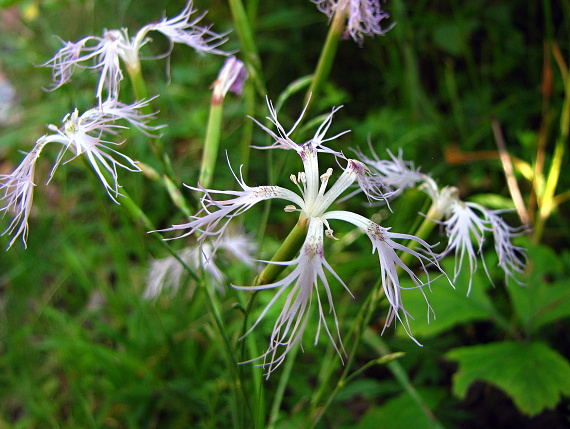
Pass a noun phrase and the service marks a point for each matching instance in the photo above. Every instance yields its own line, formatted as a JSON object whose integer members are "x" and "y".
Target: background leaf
{"x": 546, "y": 296}
{"x": 533, "y": 375}
{"x": 451, "y": 306}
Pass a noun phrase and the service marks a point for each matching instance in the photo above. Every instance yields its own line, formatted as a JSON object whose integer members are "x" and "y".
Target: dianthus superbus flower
{"x": 82, "y": 135}
{"x": 307, "y": 284}
{"x": 363, "y": 16}
{"x": 466, "y": 223}
{"x": 103, "y": 54}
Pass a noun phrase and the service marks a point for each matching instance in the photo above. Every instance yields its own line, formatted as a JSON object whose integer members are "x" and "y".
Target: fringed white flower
{"x": 364, "y": 16}
{"x": 82, "y": 135}
{"x": 304, "y": 285}
{"x": 103, "y": 54}
{"x": 466, "y": 223}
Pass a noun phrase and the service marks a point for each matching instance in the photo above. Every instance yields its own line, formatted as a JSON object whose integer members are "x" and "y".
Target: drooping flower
{"x": 303, "y": 285}
{"x": 103, "y": 54}
{"x": 364, "y": 16}
{"x": 466, "y": 223}
{"x": 81, "y": 135}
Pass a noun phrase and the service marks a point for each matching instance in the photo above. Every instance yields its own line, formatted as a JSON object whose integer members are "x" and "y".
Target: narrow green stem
{"x": 138, "y": 215}
{"x": 286, "y": 252}
{"x": 326, "y": 59}
{"x": 423, "y": 231}
{"x": 548, "y": 199}
{"x": 248, "y": 46}
{"x": 156, "y": 144}
{"x": 212, "y": 142}
{"x": 247, "y": 128}
{"x": 374, "y": 341}
{"x": 283, "y": 382}
{"x": 256, "y": 370}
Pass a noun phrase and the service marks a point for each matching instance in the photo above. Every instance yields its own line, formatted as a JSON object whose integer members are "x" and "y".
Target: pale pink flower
{"x": 232, "y": 77}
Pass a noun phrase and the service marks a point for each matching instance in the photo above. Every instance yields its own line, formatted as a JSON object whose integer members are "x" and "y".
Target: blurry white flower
{"x": 167, "y": 273}
{"x": 82, "y": 135}
{"x": 102, "y": 54}
{"x": 8, "y": 104}
{"x": 363, "y": 16}
{"x": 313, "y": 201}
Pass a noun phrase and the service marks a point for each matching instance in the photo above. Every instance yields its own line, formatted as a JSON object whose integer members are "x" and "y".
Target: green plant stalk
{"x": 141, "y": 219}
{"x": 373, "y": 340}
{"x": 548, "y": 199}
{"x": 257, "y": 373}
{"x": 283, "y": 382}
{"x": 248, "y": 47}
{"x": 360, "y": 322}
{"x": 285, "y": 253}
{"x": 156, "y": 145}
{"x": 326, "y": 59}
{"x": 212, "y": 142}
{"x": 247, "y": 133}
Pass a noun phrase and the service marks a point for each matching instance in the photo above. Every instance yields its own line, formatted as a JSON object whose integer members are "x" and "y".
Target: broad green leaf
{"x": 533, "y": 375}
{"x": 451, "y": 306}
{"x": 542, "y": 300}
{"x": 402, "y": 412}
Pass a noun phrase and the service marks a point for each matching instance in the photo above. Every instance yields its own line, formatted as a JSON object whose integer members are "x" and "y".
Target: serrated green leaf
{"x": 533, "y": 375}
{"x": 402, "y": 412}
{"x": 451, "y": 306}
{"x": 541, "y": 301}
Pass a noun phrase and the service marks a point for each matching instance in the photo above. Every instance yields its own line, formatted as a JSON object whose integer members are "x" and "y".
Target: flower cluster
{"x": 86, "y": 134}
{"x": 308, "y": 281}
{"x": 103, "y": 54}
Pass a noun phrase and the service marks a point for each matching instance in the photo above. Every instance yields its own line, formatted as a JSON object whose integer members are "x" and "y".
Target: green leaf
{"x": 402, "y": 412}
{"x": 542, "y": 300}
{"x": 533, "y": 375}
{"x": 451, "y": 306}
{"x": 453, "y": 37}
